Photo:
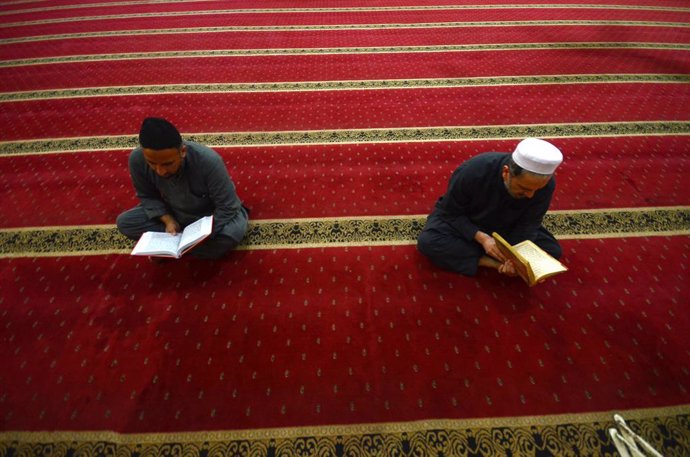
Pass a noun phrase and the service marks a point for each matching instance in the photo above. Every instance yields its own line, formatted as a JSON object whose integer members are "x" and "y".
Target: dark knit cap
{"x": 157, "y": 133}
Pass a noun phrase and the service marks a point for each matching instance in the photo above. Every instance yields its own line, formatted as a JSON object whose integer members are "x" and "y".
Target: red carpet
{"x": 327, "y": 333}
{"x": 332, "y": 336}
{"x": 319, "y": 110}
{"x": 299, "y": 181}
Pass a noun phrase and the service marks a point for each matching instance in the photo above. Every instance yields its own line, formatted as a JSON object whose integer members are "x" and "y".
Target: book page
{"x": 540, "y": 261}
{"x": 196, "y": 232}
{"x": 157, "y": 243}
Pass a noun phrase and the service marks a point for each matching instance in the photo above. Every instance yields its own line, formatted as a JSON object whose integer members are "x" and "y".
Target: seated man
{"x": 493, "y": 192}
{"x": 177, "y": 183}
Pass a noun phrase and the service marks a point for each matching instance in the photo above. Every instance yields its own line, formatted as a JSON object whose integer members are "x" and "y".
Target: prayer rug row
{"x": 348, "y": 67}
{"x": 288, "y": 337}
{"x": 71, "y": 20}
{"x": 229, "y": 53}
{"x": 263, "y": 118}
{"x": 429, "y": 83}
{"x": 342, "y": 180}
{"x": 582, "y": 30}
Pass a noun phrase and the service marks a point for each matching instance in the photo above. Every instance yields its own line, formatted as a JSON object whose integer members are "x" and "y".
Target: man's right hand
{"x": 508, "y": 268}
{"x": 171, "y": 225}
{"x": 489, "y": 244}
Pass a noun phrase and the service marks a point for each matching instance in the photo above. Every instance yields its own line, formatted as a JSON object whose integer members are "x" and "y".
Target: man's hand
{"x": 489, "y": 244}
{"x": 171, "y": 225}
{"x": 508, "y": 268}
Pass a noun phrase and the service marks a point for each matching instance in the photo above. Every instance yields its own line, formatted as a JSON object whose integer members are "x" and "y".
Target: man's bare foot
{"x": 489, "y": 262}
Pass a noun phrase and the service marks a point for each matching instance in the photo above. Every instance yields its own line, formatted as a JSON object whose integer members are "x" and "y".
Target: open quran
{"x": 532, "y": 263}
{"x": 161, "y": 244}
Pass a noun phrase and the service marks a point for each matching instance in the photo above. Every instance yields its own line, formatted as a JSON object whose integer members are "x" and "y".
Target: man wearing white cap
{"x": 493, "y": 192}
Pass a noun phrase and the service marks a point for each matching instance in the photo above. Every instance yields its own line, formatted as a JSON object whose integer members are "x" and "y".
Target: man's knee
{"x": 134, "y": 222}
{"x": 548, "y": 243}
{"x": 215, "y": 248}
{"x": 125, "y": 224}
{"x": 554, "y": 249}
{"x": 449, "y": 253}
{"x": 425, "y": 244}
{"x": 229, "y": 237}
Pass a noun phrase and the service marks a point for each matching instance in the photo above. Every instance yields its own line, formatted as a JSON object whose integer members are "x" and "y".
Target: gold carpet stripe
{"x": 600, "y": 418}
{"x": 363, "y": 9}
{"x": 196, "y": 54}
{"x": 89, "y": 5}
{"x": 337, "y": 27}
{"x": 359, "y": 136}
{"x": 19, "y": 2}
{"x": 346, "y": 231}
{"x": 308, "y": 86}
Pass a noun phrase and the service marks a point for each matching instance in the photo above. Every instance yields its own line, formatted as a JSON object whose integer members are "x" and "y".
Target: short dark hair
{"x": 515, "y": 169}
{"x": 157, "y": 133}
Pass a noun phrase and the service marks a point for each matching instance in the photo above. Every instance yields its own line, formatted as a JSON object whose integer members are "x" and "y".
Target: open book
{"x": 161, "y": 244}
{"x": 532, "y": 263}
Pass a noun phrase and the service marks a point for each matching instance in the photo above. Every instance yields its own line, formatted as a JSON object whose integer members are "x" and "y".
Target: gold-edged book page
{"x": 540, "y": 262}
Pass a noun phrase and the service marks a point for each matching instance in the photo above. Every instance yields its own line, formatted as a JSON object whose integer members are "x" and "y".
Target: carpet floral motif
{"x": 305, "y": 233}
{"x": 667, "y": 434}
{"x": 380, "y": 135}
{"x": 341, "y": 85}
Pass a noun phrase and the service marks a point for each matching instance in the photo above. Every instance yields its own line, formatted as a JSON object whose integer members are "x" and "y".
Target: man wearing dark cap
{"x": 178, "y": 182}
{"x": 493, "y": 192}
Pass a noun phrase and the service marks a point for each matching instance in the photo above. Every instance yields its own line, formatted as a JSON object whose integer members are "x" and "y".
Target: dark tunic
{"x": 200, "y": 188}
{"x": 477, "y": 200}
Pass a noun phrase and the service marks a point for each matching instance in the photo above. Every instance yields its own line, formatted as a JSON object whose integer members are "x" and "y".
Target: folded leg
{"x": 134, "y": 222}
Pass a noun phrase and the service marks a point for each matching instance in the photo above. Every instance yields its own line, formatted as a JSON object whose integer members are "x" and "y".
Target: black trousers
{"x": 450, "y": 252}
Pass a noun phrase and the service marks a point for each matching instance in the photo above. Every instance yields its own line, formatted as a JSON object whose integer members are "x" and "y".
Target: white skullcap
{"x": 537, "y": 156}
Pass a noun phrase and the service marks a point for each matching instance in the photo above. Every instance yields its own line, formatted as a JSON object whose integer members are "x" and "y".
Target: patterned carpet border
{"x": 381, "y": 135}
{"x": 337, "y": 27}
{"x": 666, "y": 429}
{"x": 338, "y": 232}
{"x": 214, "y": 53}
{"x": 304, "y": 86}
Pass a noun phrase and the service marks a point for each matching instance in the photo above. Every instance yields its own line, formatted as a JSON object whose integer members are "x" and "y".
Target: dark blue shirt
{"x": 477, "y": 199}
